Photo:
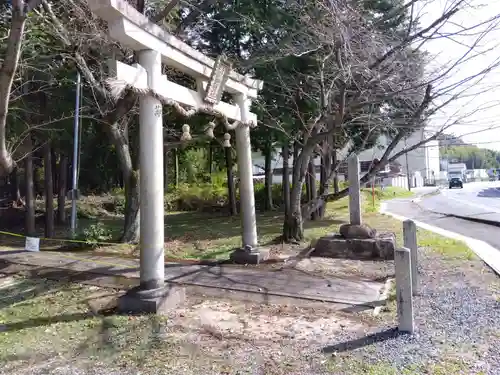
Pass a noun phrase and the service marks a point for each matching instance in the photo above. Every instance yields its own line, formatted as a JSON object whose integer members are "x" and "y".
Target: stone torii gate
{"x": 155, "y": 46}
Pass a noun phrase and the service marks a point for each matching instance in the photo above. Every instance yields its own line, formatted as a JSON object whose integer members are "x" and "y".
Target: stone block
{"x": 335, "y": 246}
{"x": 357, "y": 231}
{"x": 151, "y": 301}
{"x": 249, "y": 256}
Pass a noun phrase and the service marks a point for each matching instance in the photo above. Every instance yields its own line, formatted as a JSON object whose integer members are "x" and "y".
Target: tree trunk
{"x": 293, "y": 228}
{"x": 286, "y": 178}
{"x": 165, "y": 168}
{"x": 69, "y": 175}
{"x": 308, "y": 185}
{"x": 336, "y": 175}
{"x": 131, "y": 230}
{"x": 61, "y": 194}
{"x": 326, "y": 167}
{"x": 268, "y": 179}
{"x": 176, "y": 167}
{"x": 14, "y": 188}
{"x": 210, "y": 158}
{"x": 312, "y": 185}
{"x": 322, "y": 183}
{"x": 55, "y": 172}
{"x": 30, "y": 192}
{"x": 296, "y": 147}
{"x": 7, "y": 72}
{"x": 230, "y": 181}
{"x": 49, "y": 192}
{"x": 37, "y": 182}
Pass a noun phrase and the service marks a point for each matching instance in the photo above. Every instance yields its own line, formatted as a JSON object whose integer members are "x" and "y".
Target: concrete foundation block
{"x": 404, "y": 294}
{"x": 410, "y": 242}
{"x": 335, "y": 246}
{"x": 246, "y": 256}
{"x": 151, "y": 301}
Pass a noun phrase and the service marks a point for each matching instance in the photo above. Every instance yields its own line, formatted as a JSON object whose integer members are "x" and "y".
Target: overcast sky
{"x": 479, "y": 108}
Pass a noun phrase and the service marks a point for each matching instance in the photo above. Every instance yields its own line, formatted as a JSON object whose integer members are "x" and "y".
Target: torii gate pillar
{"x": 151, "y": 183}
{"x": 155, "y": 46}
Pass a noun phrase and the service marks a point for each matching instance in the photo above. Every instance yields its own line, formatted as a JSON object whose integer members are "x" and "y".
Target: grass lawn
{"x": 207, "y": 236}
{"x": 195, "y": 235}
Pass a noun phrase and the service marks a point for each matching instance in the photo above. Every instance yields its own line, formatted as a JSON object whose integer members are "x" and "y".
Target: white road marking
{"x": 486, "y": 252}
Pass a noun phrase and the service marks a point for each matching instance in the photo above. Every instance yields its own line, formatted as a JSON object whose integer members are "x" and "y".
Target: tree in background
{"x": 14, "y": 17}
{"x": 359, "y": 80}
{"x": 333, "y": 88}
{"x": 337, "y": 76}
{"x": 473, "y": 156}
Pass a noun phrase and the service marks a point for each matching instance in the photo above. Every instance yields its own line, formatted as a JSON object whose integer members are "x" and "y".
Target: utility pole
{"x": 76, "y": 132}
{"x": 408, "y": 177}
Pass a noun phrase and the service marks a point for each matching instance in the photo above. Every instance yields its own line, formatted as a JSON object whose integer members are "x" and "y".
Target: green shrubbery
{"x": 96, "y": 233}
{"x": 213, "y": 196}
{"x": 202, "y": 196}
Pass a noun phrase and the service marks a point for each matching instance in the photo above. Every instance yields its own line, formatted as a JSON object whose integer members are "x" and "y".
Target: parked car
{"x": 456, "y": 182}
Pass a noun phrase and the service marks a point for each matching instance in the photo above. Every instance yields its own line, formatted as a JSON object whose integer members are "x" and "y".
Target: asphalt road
{"x": 479, "y": 200}
{"x": 419, "y": 212}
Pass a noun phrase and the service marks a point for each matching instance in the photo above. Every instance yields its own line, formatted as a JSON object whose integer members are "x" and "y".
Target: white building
{"x": 277, "y": 164}
{"x": 422, "y": 164}
{"x": 476, "y": 174}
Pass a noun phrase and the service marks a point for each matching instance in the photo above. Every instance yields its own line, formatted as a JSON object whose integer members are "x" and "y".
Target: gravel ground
{"x": 456, "y": 315}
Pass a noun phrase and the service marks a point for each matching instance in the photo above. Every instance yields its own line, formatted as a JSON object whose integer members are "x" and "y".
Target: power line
{"x": 469, "y": 144}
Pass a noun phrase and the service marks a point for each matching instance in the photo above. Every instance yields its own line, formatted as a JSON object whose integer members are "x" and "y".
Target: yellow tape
{"x": 59, "y": 254}
{"x": 70, "y": 256}
{"x": 60, "y": 239}
{"x": 12, "y": 234}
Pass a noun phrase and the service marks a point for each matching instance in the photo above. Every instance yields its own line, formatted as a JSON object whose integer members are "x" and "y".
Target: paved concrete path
{"x": 246, "y": 283}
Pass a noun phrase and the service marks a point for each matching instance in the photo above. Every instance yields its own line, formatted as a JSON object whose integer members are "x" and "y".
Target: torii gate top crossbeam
{"x": 134, "y": 30}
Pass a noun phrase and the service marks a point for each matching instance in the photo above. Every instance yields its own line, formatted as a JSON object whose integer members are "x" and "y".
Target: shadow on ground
{"x": 203, "y": 227}
{"x": 38, "y": 281}
{"x": 490, "y": 193}
{"x": 192, "y": 230}
{"x": 354, "y": 344}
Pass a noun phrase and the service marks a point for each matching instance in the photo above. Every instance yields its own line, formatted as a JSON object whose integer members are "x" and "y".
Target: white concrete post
{"x": 151, "y": 177}
{"x": 354, "y": 190}
{"x": 410, "y": 242}
{"x": 245, "y": 169}
{"x": 404, "y": 297}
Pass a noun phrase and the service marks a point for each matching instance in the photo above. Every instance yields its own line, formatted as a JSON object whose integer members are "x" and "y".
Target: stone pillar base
{"x": 151, "y": 301}
{"x": 249, "y": 256}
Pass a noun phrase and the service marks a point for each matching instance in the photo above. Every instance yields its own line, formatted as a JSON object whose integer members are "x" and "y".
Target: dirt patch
{"x": 265, "y": 324}
{"x": 348, "y": 268}
{"x": 49, "y": 323}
